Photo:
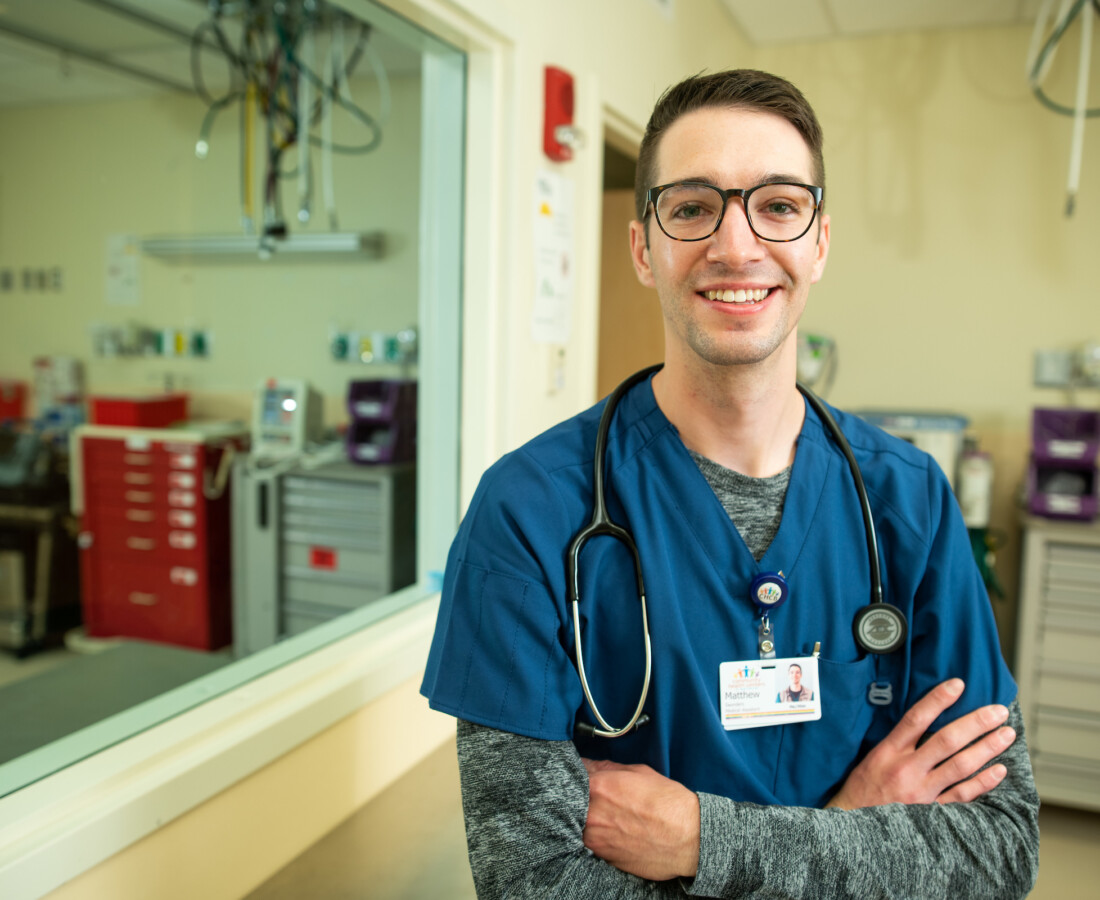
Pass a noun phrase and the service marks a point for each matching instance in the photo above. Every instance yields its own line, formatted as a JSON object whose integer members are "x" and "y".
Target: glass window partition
{"x": 167, "y": 232}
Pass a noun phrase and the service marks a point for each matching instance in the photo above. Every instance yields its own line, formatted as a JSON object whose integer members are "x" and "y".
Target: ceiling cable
{"x": 1040, "y": 57}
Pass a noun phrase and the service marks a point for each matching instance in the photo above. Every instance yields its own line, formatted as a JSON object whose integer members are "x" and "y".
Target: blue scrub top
{"x": 502, "y": 654}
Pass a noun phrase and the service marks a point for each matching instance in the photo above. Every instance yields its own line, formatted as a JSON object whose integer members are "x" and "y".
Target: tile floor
{"x": 419, "y": 819}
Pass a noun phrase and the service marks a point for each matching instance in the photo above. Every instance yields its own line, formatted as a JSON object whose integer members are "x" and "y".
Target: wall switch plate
{"x": 1053, "y": 368}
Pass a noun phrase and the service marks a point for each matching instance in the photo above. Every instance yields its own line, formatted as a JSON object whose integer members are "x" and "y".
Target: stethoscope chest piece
{"x": 879, "y": 628}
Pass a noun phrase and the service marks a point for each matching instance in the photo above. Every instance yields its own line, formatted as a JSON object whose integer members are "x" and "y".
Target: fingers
{"x": 974, "y": 787}
{"x": 956, "y": 735}
{"x": 968, "y": 761}
{"x": 923, "y": 713}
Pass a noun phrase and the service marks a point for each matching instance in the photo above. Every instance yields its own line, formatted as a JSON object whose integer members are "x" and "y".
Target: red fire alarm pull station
{"x": 557, "y": 132}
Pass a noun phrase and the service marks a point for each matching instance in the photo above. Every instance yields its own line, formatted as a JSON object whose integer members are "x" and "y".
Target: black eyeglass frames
{"x": 776, "y": 211}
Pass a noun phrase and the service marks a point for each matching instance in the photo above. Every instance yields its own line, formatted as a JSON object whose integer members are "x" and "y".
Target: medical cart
{"x": 155, "y": 524}
{"x": 311, "y": 542}
{"x": 1058, "y": 658}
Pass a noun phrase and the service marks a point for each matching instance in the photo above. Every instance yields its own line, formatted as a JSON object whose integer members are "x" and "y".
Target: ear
{"x": 639, "y": 253}
{"x": 822, "y": 250}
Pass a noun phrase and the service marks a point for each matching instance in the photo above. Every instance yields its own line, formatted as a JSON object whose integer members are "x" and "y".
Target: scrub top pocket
{"x": 816, "y": 757}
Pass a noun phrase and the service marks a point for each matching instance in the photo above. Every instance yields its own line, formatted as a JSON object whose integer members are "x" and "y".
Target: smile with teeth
{"x": 753, "y": 296}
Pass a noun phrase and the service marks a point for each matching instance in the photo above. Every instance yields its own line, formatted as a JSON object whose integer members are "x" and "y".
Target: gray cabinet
{"x": 312, "y": 544}
{"x": 1058, "y": 658}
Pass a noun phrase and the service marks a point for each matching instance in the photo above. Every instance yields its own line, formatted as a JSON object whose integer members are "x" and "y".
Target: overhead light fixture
{"x": 351, "y": 244}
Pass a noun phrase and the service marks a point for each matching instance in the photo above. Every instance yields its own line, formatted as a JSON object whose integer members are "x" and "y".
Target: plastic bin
{"x": 382, "y": 399}
{"x": 13, "y": 396}
{"x": 381, "y": 442}
{"x": 158, "y": 411}
{"x": 1065, "y": 435}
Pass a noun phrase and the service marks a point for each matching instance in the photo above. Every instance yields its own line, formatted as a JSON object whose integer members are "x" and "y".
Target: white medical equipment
{"x": 286, "y": 418}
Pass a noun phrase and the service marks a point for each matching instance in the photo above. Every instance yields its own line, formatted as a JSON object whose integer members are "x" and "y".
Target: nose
{"x": 734, "y": 242}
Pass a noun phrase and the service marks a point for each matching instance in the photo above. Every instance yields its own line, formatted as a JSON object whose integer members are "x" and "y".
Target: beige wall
{"x": 951, "y": 258}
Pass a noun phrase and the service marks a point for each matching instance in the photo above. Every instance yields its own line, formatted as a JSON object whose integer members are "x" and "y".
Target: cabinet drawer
{"x": 1069, "y": 638}
{"x": 305, "y": 494}
{"x": 1069, "y": 687}
{"x": 153, "y": 542}
{"x": 303, "y": 617}
{"x": 339, "y": 594}
{"x": 1073, "y": 565}
{"x": 1068, "y": 736}
{"x": 156, "y": 602}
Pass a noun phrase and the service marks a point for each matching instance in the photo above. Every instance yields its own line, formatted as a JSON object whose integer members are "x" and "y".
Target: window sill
{"x": 67, "y": 823}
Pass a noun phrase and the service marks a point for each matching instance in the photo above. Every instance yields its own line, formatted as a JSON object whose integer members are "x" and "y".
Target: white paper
{"x": 123, "y": 282}
{"x": 554, "y": 234}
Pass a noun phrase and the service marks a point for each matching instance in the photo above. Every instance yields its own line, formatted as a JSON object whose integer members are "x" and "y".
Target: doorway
{"x": 631, "y": 334}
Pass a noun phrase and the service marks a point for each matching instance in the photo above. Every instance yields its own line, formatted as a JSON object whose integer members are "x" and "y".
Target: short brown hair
{"x": 732, "y": 89}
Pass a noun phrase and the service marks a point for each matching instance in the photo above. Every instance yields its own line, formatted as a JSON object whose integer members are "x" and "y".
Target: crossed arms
{"x": 913, "y": 819}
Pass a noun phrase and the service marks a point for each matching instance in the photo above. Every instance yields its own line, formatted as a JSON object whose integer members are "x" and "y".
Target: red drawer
{"x": 158, "y": 603}
{"x": 138, "y": 542}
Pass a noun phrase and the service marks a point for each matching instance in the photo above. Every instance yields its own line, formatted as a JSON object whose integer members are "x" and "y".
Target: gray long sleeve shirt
{"x": 526, "y": 801}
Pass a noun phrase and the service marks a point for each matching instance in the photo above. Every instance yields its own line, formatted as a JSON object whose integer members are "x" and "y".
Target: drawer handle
{"x": 137, "y": 459}
{"x": 138, "y": 478}
{"x": 139, "y": 496}
{"x": 136, "y": 543}
{"x": 142, "y": 599}
{"x": 139, "y": 515}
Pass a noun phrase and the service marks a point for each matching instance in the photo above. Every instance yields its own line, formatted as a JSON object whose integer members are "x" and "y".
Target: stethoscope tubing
{"x": 601, "y": 524}
{"x": 873, "y": 559}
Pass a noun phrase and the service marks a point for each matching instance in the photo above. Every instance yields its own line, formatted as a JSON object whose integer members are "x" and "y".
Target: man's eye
{"x": 779, "y": 208}
{"x": 688, "y": 211}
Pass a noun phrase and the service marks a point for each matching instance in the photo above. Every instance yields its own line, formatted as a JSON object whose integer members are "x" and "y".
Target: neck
{"x": 740, "y": 417}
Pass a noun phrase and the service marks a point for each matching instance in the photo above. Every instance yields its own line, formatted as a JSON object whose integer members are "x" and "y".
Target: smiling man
{"x": 739, "y": 496}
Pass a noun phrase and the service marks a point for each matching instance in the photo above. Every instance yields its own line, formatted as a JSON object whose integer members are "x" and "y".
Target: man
{"x": 794, "y": 692}
{"x": 724, "y": 475}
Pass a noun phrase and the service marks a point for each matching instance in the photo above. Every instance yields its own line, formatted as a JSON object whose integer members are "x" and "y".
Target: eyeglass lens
{"x": 778, "y": 212}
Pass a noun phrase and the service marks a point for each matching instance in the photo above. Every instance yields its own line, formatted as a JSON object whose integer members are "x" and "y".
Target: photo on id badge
{"x": 758, "y": 692}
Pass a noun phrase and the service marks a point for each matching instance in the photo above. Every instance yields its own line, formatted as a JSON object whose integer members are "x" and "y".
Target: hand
{"x": 641, "y": 822}
{"x": 941, "y": 770}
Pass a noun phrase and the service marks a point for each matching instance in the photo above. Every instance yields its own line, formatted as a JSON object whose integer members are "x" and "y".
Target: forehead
{"x": 732, "y": 148}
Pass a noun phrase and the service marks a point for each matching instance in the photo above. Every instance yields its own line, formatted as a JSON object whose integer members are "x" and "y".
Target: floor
{"x": 56, "y": 692}
{"x": 409, "y": 844}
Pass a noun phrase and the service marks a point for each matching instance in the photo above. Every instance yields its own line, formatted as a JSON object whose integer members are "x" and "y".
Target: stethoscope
{"x": 877, "y": 627}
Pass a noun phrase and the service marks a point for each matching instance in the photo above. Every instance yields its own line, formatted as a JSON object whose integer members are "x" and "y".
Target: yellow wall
{"x": 951, "y": 259}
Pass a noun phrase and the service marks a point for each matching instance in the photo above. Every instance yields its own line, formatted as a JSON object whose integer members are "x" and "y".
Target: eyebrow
{"x": 764, "y": 178}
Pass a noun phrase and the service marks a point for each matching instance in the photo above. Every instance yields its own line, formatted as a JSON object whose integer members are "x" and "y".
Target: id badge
{"x": 760, "y": 692}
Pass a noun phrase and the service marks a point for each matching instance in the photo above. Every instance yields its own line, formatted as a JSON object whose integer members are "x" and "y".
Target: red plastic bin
{"x": 158, "y": 411}
{"x": 13, "y": 394}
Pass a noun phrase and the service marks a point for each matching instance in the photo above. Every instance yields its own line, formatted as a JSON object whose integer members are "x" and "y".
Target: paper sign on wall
{"x": 123, "y": 284}
{"x": 554, "y": 234}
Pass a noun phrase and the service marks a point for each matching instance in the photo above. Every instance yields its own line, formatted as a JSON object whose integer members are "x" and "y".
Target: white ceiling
{"x": 32, "y": 72}
{"x": 776, "y": 21}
